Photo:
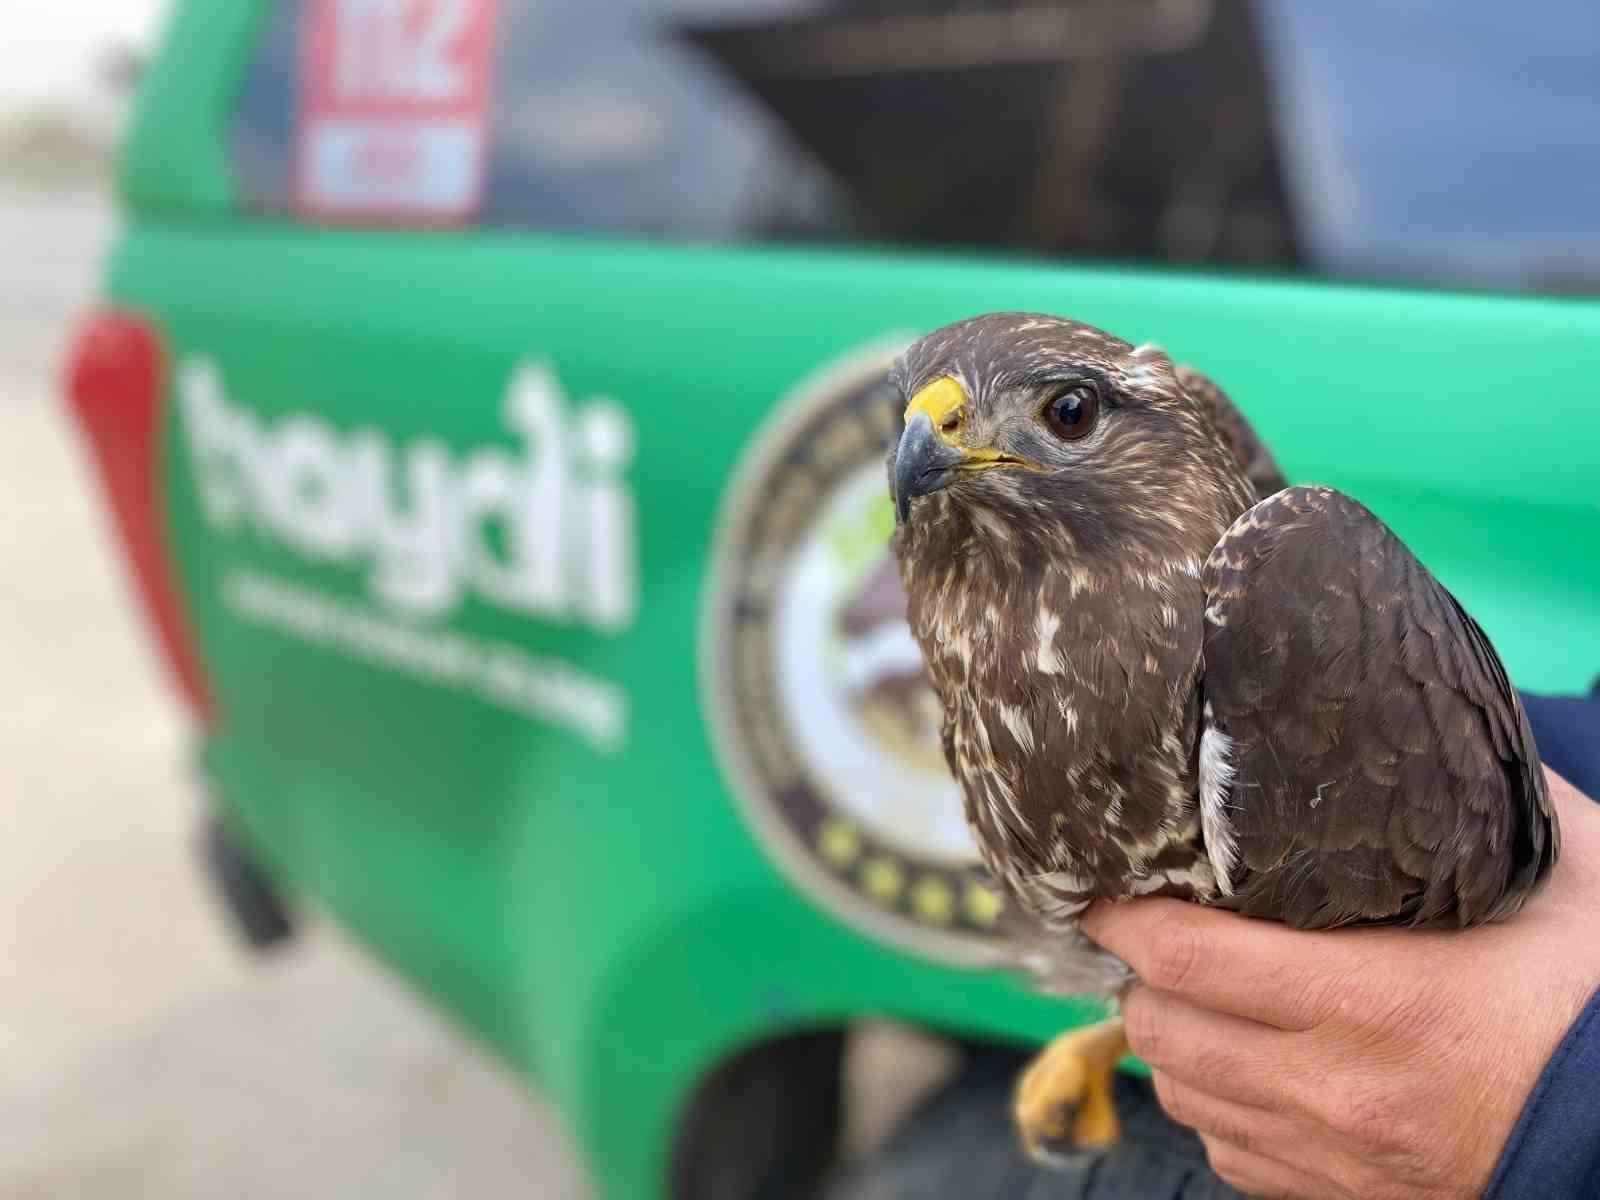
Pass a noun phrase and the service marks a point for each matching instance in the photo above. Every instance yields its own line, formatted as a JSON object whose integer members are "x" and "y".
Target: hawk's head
{"x": 1027, "y": 422}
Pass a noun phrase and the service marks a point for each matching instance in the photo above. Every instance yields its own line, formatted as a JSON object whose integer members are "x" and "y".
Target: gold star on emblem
{"x": 933, "y": 901}
{"x": 883, "y": 879}
{"x": 982, "y": 905}
{"x": 838, "y": 842}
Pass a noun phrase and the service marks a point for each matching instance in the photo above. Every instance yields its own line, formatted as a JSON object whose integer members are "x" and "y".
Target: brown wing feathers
{"x": 1384, "y": 768}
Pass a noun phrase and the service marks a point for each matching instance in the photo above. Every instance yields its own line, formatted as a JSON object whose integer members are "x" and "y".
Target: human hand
{"x": 1359, "y": 1064}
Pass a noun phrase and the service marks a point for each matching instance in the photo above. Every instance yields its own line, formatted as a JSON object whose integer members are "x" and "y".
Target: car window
{"x": 1436, "y": 141}
{"x": 1045, "y": 127}
{"x": 602, "y": 118}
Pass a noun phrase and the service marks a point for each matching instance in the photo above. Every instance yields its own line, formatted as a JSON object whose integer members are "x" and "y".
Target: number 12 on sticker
{"x": 393, "y": 112}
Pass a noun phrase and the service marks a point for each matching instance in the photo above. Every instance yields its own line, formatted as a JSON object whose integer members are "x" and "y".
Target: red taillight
{"x": 116, "y": 381}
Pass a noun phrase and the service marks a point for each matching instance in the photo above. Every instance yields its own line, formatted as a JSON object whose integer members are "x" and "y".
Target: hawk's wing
{"x": 1383, "y": 769}
{"x": 1249, "y": 450}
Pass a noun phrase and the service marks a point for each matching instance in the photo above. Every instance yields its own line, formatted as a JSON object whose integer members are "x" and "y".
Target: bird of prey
{"x": 1163, "y": 673}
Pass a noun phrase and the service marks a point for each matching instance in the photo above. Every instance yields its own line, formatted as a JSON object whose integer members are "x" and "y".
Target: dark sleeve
{"x": 1554, "y": 1150}
{"x": 1567, "y": 730}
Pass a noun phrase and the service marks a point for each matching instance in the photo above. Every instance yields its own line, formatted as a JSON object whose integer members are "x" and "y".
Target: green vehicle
{"x": 517, "y": 538}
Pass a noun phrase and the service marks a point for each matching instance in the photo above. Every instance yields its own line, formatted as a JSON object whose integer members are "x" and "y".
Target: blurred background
{"x": 142, "y": 1052}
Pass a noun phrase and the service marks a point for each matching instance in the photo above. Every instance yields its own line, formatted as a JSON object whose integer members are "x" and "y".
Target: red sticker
{"x": 394, "y": 98}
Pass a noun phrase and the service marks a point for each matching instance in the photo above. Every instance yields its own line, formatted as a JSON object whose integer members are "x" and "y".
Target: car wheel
{"x": 961, "y": 1145}
{"x": 257, "y": 908}
{"x": 765, "y": 1125}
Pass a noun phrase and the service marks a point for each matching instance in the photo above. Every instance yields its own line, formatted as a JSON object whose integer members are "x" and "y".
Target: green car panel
{"x": 514, "y": 795}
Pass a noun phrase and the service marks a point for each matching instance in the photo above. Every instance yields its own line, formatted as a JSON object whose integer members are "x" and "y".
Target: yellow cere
{"x": 942, "y": 400}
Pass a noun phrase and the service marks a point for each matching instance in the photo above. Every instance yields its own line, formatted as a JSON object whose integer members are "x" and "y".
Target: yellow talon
{"x": 1063, "y": 1107}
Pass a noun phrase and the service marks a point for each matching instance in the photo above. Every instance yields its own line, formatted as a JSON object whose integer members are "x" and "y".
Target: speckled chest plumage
{"x": 1071, "y": 712}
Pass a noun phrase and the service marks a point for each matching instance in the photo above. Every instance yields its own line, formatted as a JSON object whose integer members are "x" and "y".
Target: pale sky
{"x": 50, "y": 49}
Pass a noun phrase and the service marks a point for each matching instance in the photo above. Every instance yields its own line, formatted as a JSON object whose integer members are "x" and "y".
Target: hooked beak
{"x": 934, "y": 448}
{"x": 923, "y": 463}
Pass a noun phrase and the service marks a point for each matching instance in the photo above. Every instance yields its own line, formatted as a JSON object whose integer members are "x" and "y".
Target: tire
{"x": 961, "y": 1146}
{"x": 765, "y": 1125}
{"x": 259, "y": 914}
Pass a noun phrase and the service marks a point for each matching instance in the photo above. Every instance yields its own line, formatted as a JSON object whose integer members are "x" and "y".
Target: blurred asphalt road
{"x": 141, "y": 1053}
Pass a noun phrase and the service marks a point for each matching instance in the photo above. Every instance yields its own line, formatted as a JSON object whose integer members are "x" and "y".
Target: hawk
{"x": 1164, "y": 673}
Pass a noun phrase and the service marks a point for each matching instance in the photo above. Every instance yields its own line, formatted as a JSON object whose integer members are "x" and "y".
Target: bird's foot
{"x": 1063, "y": 1106}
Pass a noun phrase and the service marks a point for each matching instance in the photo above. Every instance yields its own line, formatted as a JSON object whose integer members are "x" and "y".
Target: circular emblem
{"x": 821, "y": 711}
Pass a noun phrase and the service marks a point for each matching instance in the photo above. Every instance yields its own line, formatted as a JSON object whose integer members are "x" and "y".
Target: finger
{"x": 1263, "y": 1178}
{"x": 1278, "y": 1154}
{"x": 1238, "y": 1060}
{"x": 1260, "y": 970}
{"x": 1255, "y": 1130}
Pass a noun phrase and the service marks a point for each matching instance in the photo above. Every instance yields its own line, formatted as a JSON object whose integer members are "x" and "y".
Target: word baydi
{"x": 546, "y": 528}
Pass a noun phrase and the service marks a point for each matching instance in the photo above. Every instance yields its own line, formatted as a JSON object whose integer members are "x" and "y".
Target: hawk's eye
{"x": 1071, "y": 413}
